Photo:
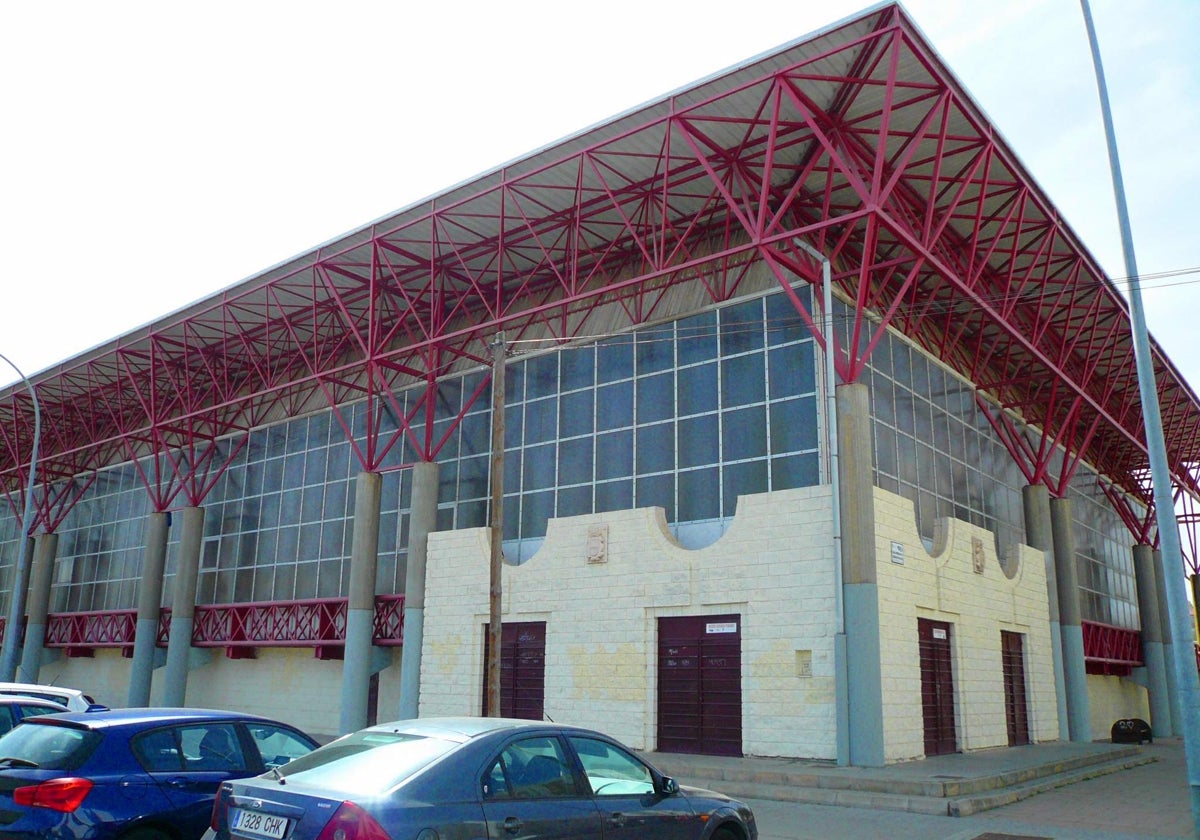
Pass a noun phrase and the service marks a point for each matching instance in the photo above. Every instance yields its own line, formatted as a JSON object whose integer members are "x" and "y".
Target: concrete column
{"x": 149, "y": 608}
{"x": 422, "y": 522}
{"x": 1175, "y": 697}
{"x": 1152, "y": 647}
{"x": 1079, "y": 712}
{"x": 360, "y": 613}
{"x": 1195, "y": 581}
{"x": 37, "y": 607}
{"x": 1039, "y": 535}
{"x": 183, "y": 607}
{"x": 860, "y": 586}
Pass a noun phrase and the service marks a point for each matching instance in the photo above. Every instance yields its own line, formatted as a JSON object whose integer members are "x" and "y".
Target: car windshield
{"x": 47, "y": 746}
{"x": 366, "y": 762}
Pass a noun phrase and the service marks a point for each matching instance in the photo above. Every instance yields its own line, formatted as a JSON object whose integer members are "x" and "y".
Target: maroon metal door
{"x": 937, "y": 687}
{"x": 522, "y": 669}
{"x": 1016, "y": 710}
{"x": 700, "y": 685}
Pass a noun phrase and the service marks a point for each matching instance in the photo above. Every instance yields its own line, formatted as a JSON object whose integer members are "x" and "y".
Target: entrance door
{"x": 937, "y": 687}
{"x": 1016, "y": 710}
{"x": 522, "y": 669}
{"x": 700, "y": 685}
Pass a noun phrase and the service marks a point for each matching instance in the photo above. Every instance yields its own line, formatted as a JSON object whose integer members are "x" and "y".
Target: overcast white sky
{"x": 154, "y": 153}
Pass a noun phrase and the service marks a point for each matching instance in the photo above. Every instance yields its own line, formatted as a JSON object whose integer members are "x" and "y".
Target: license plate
{"x": 256, "y": 824}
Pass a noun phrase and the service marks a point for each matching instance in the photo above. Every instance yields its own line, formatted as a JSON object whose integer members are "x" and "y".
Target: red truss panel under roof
{"x": 855, "y": 139}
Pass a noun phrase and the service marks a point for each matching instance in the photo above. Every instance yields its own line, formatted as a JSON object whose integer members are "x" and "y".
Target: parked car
{"x": 477, "y": 777}
{"x": 136, "y": 774}
{"x": 72, "y": 698}
{"x": 15, "y": 707}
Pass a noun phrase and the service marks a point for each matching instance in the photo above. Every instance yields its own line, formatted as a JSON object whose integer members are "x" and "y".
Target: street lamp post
{"x": 1164, "y": 501}
{"x": 16, "y": 605}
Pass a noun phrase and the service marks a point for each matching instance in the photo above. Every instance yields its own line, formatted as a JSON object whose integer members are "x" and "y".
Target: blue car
{"x": 455, "y": 778}
{"x": 133, "y": 774}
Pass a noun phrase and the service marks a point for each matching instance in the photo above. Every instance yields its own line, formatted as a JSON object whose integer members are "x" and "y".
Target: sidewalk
{"x": 1140, "y": 803}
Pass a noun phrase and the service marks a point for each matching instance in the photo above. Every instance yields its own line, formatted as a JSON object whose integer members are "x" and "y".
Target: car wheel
{"x": 147, "y": 834}
{"x": 725, "y": 834}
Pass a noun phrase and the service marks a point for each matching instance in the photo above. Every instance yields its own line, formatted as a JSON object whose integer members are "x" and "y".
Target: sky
{"x": 154, "y": 153}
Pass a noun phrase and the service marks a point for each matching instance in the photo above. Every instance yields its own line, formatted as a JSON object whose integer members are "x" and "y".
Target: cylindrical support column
{"x": 1152, "y": 647}
{"x": 360, "y": 612}
{"x": 1195, "y": 581}
{"x": 38, "y": 607}
{"x": 1079, "y": 710}
{"x": 9, "y": 653}
{"x": 149, "y": 609}
{"x": 183, "y": 607}
{"x": 859, "y": 580}
{"x": 1174, "y": 696}
{"x": 422, "y": 521}
{"x": 1039, "y": 535}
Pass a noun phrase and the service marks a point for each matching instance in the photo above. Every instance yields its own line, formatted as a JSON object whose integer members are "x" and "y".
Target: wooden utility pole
{"x": 497, "y": 525}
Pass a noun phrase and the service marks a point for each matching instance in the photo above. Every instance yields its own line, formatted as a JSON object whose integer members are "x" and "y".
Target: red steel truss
{"x": 319, "y": 623}
{"x": 1110, "y": 650}
{"x": 855, "y": 140}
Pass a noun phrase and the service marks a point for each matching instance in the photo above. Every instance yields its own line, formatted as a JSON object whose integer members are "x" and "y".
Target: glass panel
{"x": 742, "y": 327}
{"x": 743, "y": 479}
{"x": 699, "y": 495}
{"x": 742, "y": 381}
{"x": 794, "y": 425}
{"x": 575, "y": 461}
{"x": 614, "y": 495}
{"x": 655, "y": 351}
{"x": 655, "y": 448}
{"x": 744, "y": 433}
{"x": 657, "y": 491}
{"x": 614, "y": 359}
{"x": 697, "y": 338}
{"x": 614, "y": 455}
{"x": 655, "y": 398}
{"x": 614, "y": 406}
{"x": 574, "y": 501}
{"x": 698, "y": 441}
{"x": 539, "y": 467}
{"x": 795, "y": 471}
{"x": 541, "y": 421}
{"x": 575, "y": 413}
{"x": 697, "y": 389}
{"x": 578, "y": 368}
{"x": 536, "y": 509}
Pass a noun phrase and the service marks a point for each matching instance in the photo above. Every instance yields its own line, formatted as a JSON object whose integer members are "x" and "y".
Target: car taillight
{"x": 57, "y": 794}
{"x": 220, "y": 806}
{"x": 352, "y": 823}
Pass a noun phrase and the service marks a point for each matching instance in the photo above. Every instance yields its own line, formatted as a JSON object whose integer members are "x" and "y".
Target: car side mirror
{"x": 668, "y": 786}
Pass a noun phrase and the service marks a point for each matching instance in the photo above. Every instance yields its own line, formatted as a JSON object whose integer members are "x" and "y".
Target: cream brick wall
{"x": 104, "y": 676}
{"x": 1112, "y": 698}
{"x": 944, "y": 586}
{"x": 287, "y": 684}
{"x": 773, "y": 567}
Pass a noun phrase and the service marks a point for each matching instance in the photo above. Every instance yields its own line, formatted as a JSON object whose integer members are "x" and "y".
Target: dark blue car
{"x": 134, "y": 774}
{"x": 456, "y": 778}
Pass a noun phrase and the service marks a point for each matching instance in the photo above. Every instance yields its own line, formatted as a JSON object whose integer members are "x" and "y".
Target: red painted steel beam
{"x": 860, "y": 142}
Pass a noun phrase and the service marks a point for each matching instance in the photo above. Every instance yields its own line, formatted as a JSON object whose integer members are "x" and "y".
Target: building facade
{"x": 718, "y": 536}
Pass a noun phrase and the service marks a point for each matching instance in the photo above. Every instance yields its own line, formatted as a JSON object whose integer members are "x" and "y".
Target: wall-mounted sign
{"x": 721, "y": 627}
{"x": 898, "y": 553}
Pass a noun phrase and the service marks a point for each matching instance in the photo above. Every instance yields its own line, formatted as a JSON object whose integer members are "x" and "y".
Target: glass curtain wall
{"x": 685, "y": 415}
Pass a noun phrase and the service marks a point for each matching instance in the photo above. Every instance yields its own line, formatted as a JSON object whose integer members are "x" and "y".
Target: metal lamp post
{"x": 1164, "y": 501}
{"x": 16, "y": 606}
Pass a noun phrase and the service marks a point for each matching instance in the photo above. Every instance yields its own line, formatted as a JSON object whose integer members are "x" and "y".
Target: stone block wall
{"x": 601, "y": 581}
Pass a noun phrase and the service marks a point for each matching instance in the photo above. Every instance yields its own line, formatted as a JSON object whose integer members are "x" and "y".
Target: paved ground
{"x": 1143, "y": 803}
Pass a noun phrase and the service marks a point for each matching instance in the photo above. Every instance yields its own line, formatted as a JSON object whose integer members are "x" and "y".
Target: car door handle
{"x": 177, "y": 782}
{"x": 513, "y": 825}
{"x": 617, "y": 819}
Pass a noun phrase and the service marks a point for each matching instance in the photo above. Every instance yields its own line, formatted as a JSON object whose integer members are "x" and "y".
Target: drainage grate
{"x": 991, "y": 835}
